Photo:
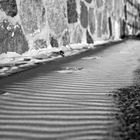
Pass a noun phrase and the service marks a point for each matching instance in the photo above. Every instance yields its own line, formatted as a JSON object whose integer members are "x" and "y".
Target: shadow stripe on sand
{"x": 65, "y": 106}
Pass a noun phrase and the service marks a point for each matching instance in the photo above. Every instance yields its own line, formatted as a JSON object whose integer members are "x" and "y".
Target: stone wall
{"x": 34, "y": 24}
{"x": 12, "y": 38}
{"x": 132, "y": 15}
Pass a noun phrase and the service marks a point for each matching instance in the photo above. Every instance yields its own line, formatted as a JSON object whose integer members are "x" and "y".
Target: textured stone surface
{"x": 71, "y": 11}
{"x": 84, "y": 15}
{"x": 78, "y": 34}
{"x": 56, "y": 16}
{"x": 109, "y": 5}
{"x": 89, "y": 38}
{"x": 105, "y": 22}
{"x": 89, "y": 1}
{"x": 9, "y": 7}
{"x": 99, "y": 24}
{"x": 99, "y": 3}
{"x": 123, "y": 27}
{"x": 65, "y": 38}
{"x": 40, "y": 18}
{"x": 40, "y": 43}
{"x": 117, "y": 8}
{"x": 12, "y": 38}
{"x": 31, "y": 13}
{"x": 53, "y": 41}
{"x": 92, "y": 24}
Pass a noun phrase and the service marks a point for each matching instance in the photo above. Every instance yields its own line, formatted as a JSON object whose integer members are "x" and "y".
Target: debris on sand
{"x": 128, "y": 118}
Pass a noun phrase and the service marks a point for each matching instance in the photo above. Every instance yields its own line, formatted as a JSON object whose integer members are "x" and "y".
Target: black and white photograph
{"x": 69, "y": 69}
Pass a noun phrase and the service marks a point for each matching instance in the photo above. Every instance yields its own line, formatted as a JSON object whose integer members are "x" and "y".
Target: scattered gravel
{"x": 128, "y": 101}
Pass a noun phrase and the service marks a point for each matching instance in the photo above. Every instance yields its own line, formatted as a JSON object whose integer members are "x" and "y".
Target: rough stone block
{"x": 53, "y": 41}
{"x": 9, "y": 7}
{"x": 117, "y": 8}
{"x": 71, "y": 11}
{"x": 78, "y": 34}
{"x": 31, "y": 13}
{"x": 19, "y": 40}
{"x": 84, "y": 15}
{"x": 12, "y": 38}
{"x": 56, "y": 16}
{"x": 109, "y": 5}
{"x": 65, "y": 38}
{"x": 123, "y": 29}
{"x": 40, "y": 43}
{"x": 99, "y": 3}
{"x": 89, "y": 38}
{"x": 105, "y": 22}
{"x": 92, "y": 24}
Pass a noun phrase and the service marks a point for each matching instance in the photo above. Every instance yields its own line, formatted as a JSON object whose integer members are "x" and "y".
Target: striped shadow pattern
{"x": 65, "y": 106}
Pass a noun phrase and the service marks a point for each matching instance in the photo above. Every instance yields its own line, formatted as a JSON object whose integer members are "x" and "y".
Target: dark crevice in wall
{"x": 88, "y": 1}
{"x": 89, "y": 38}
{"x": 125, "y": 12}
{"x": 43, "y": 12}
{"x": 53, "y": 41}
{"x": 110, "y": 26}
